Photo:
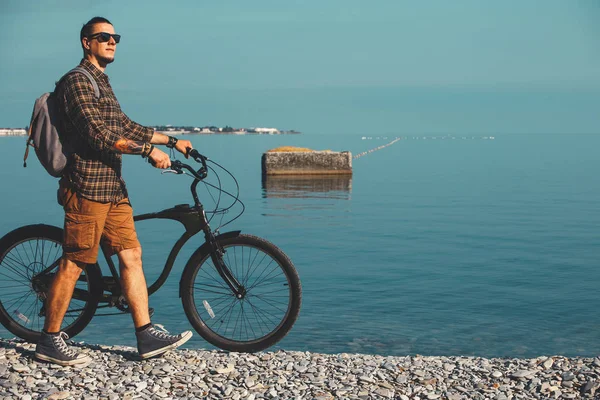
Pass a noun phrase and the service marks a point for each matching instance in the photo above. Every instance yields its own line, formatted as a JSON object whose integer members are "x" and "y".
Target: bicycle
{"x": 222, "y": 285}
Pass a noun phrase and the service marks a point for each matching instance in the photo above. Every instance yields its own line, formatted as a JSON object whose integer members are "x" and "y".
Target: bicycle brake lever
{"x": 171, "y": 171}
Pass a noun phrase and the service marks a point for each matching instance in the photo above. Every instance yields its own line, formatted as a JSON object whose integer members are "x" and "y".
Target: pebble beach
{"x": 116, "y": 373}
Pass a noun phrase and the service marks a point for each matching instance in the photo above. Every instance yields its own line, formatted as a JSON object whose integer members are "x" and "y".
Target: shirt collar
{"x": 96, "y": 73}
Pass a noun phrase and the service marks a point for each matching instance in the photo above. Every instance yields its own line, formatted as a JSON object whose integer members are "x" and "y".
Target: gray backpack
{"x": 44, "y": 126}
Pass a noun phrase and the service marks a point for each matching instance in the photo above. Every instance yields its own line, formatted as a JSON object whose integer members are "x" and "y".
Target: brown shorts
{"x": 88, "y": 222}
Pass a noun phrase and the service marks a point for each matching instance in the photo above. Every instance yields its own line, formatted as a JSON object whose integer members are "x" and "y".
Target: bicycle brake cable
{"x": 220, "y": 190}
{"x": 236, "y": 198}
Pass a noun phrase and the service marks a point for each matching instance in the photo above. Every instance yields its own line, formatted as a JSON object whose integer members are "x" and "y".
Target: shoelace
{"x": 163, "y": 333}
{"x": 59, "y": 341}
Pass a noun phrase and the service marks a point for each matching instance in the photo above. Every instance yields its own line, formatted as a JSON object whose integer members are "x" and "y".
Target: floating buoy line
{"x": 364, "y": 153}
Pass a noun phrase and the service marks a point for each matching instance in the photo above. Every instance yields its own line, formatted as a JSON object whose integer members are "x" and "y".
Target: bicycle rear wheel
{"x": 24, "y": 254}
{"x": 263, "y": 316}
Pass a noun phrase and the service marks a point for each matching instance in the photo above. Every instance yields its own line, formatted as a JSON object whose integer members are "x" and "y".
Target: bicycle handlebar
{"x": 200, "y": 174}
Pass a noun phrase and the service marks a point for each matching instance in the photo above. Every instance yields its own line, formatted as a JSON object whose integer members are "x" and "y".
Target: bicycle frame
{"x": 193, "y": 218}
{"x": 182, "y": 213}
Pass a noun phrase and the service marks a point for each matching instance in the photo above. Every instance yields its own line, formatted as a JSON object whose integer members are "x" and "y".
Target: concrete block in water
{"x": 306, "y": 163}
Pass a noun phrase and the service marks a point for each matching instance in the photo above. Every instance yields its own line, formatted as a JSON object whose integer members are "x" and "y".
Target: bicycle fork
{"x": 216, "y": 255}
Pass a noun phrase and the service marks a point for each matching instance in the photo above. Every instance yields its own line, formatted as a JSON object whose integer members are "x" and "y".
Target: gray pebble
{"x": 567, "y": 376}
{"x": 523, "y": 374}
{"x": 588, "y": 387}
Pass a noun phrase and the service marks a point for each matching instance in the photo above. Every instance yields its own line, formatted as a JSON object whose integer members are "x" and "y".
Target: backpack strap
{"x": 88, "y": 75}
{"x": 29, "y": 143}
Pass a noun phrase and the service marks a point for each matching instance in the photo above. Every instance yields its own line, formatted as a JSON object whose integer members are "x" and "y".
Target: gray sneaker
{"x": 52, "y": 348}
{"x": 151, "y": 342}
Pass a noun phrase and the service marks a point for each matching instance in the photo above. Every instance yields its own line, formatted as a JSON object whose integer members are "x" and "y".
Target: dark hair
{"x": 86, "y": 30}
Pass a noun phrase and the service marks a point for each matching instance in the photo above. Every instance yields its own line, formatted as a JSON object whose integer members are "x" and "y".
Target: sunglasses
{"x": 105, "y": 37}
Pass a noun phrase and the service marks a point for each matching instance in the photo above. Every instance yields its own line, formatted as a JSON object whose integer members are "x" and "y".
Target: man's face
{"x": 102, "y": 51}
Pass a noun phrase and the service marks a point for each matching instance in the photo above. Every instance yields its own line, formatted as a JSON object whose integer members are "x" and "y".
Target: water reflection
{"x": 307, "y": 186}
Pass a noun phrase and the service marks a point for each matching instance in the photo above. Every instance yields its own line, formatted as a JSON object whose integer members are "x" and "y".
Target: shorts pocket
{"x": 79, "y": 235}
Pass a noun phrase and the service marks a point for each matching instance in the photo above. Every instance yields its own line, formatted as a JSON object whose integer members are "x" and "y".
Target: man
{"x": 94, "y": 197}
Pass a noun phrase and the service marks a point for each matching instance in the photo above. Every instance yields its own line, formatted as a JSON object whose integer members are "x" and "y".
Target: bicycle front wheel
{"x": 28, "y": 262}
{"x": 263, "y": 316}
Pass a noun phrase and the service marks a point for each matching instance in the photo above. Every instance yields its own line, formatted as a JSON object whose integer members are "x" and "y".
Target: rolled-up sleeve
{"x": 134, "y": 131}
{"x": 82, "y": 109}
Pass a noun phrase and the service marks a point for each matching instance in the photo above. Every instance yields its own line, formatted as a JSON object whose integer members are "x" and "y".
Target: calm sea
{"x": 455, "y": 245}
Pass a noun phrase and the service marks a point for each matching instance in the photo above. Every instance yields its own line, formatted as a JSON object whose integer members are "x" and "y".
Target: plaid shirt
{"x": 91, "y": 128}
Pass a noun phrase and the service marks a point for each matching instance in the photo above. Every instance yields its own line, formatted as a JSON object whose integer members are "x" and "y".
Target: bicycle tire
{"x": 16, "y": 263}
{"x": 281, "y": 277}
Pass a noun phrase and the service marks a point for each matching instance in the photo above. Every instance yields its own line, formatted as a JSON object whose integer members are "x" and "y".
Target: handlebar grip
{"x": 196, "y": 156}
{"x": 178, "y": 167}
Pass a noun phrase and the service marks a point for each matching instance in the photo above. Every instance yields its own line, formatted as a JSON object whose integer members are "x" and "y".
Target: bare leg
{"x": 134, "y": 286}
{"x": 60, "y": 293}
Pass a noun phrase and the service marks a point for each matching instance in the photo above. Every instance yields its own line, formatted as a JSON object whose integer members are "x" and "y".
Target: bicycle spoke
{"x": 228, "y": 313}
{"x": 17, "y": 292}
{"x": 251, "y": 328}
{"x": 15, "y": 269}
{"x": 265, "y": 313}
{"x": 236, "y": 268}
{"x": 256, "y": 282}
{"x": 220, "y": 313}
{"x": 277, "y": 282}
{"x": 274, "y": 291}
{"x": 229, "y": 307}
{"x": 21, "y": 257}
{"x": 257, "y": 316}
{"x": 212, "y": 291}
{"x": 12, "y": 287}
{"x": 271, "y": 299}
{"x": 37, "y": 249}
{"x": 262, "y": 317}
{"x": 18, "y": 306}
{"x": 219, "y": 280}
{"x": 240, "y": 319}
{"x": 248, "y": 324}
{"x": 25, "y": 282}
{"x": 235, "y": 256}
{"x": 214, "y": 304}
{"x": 236, "y": 323}
{"x": 271, "y": 304}
{"x": 31, "y": 309}
{"x": 250, "y": 271}
{"x": 250, "y": 265}
{"x": 257, "y": 279}
{"x": 30, "y": 248}
{"x": 212, "y": 286}
{"x": 15, "y": 301}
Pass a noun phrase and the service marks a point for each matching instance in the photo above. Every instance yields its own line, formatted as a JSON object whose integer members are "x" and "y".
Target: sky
{"x": 515, "y": 66}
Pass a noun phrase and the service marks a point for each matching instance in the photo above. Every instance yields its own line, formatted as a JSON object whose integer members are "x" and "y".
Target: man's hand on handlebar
{"x": 159, "y": 159}
{"x": 200, "y": 174}
{"x": 182, "y": 146}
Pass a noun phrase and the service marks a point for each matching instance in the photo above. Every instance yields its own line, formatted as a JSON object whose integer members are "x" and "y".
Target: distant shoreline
{"x": 238, "y": 133}
{"x": 13, "y": 132}
{"x": 211, "y": 129}
{"x": 23, "y": 132}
